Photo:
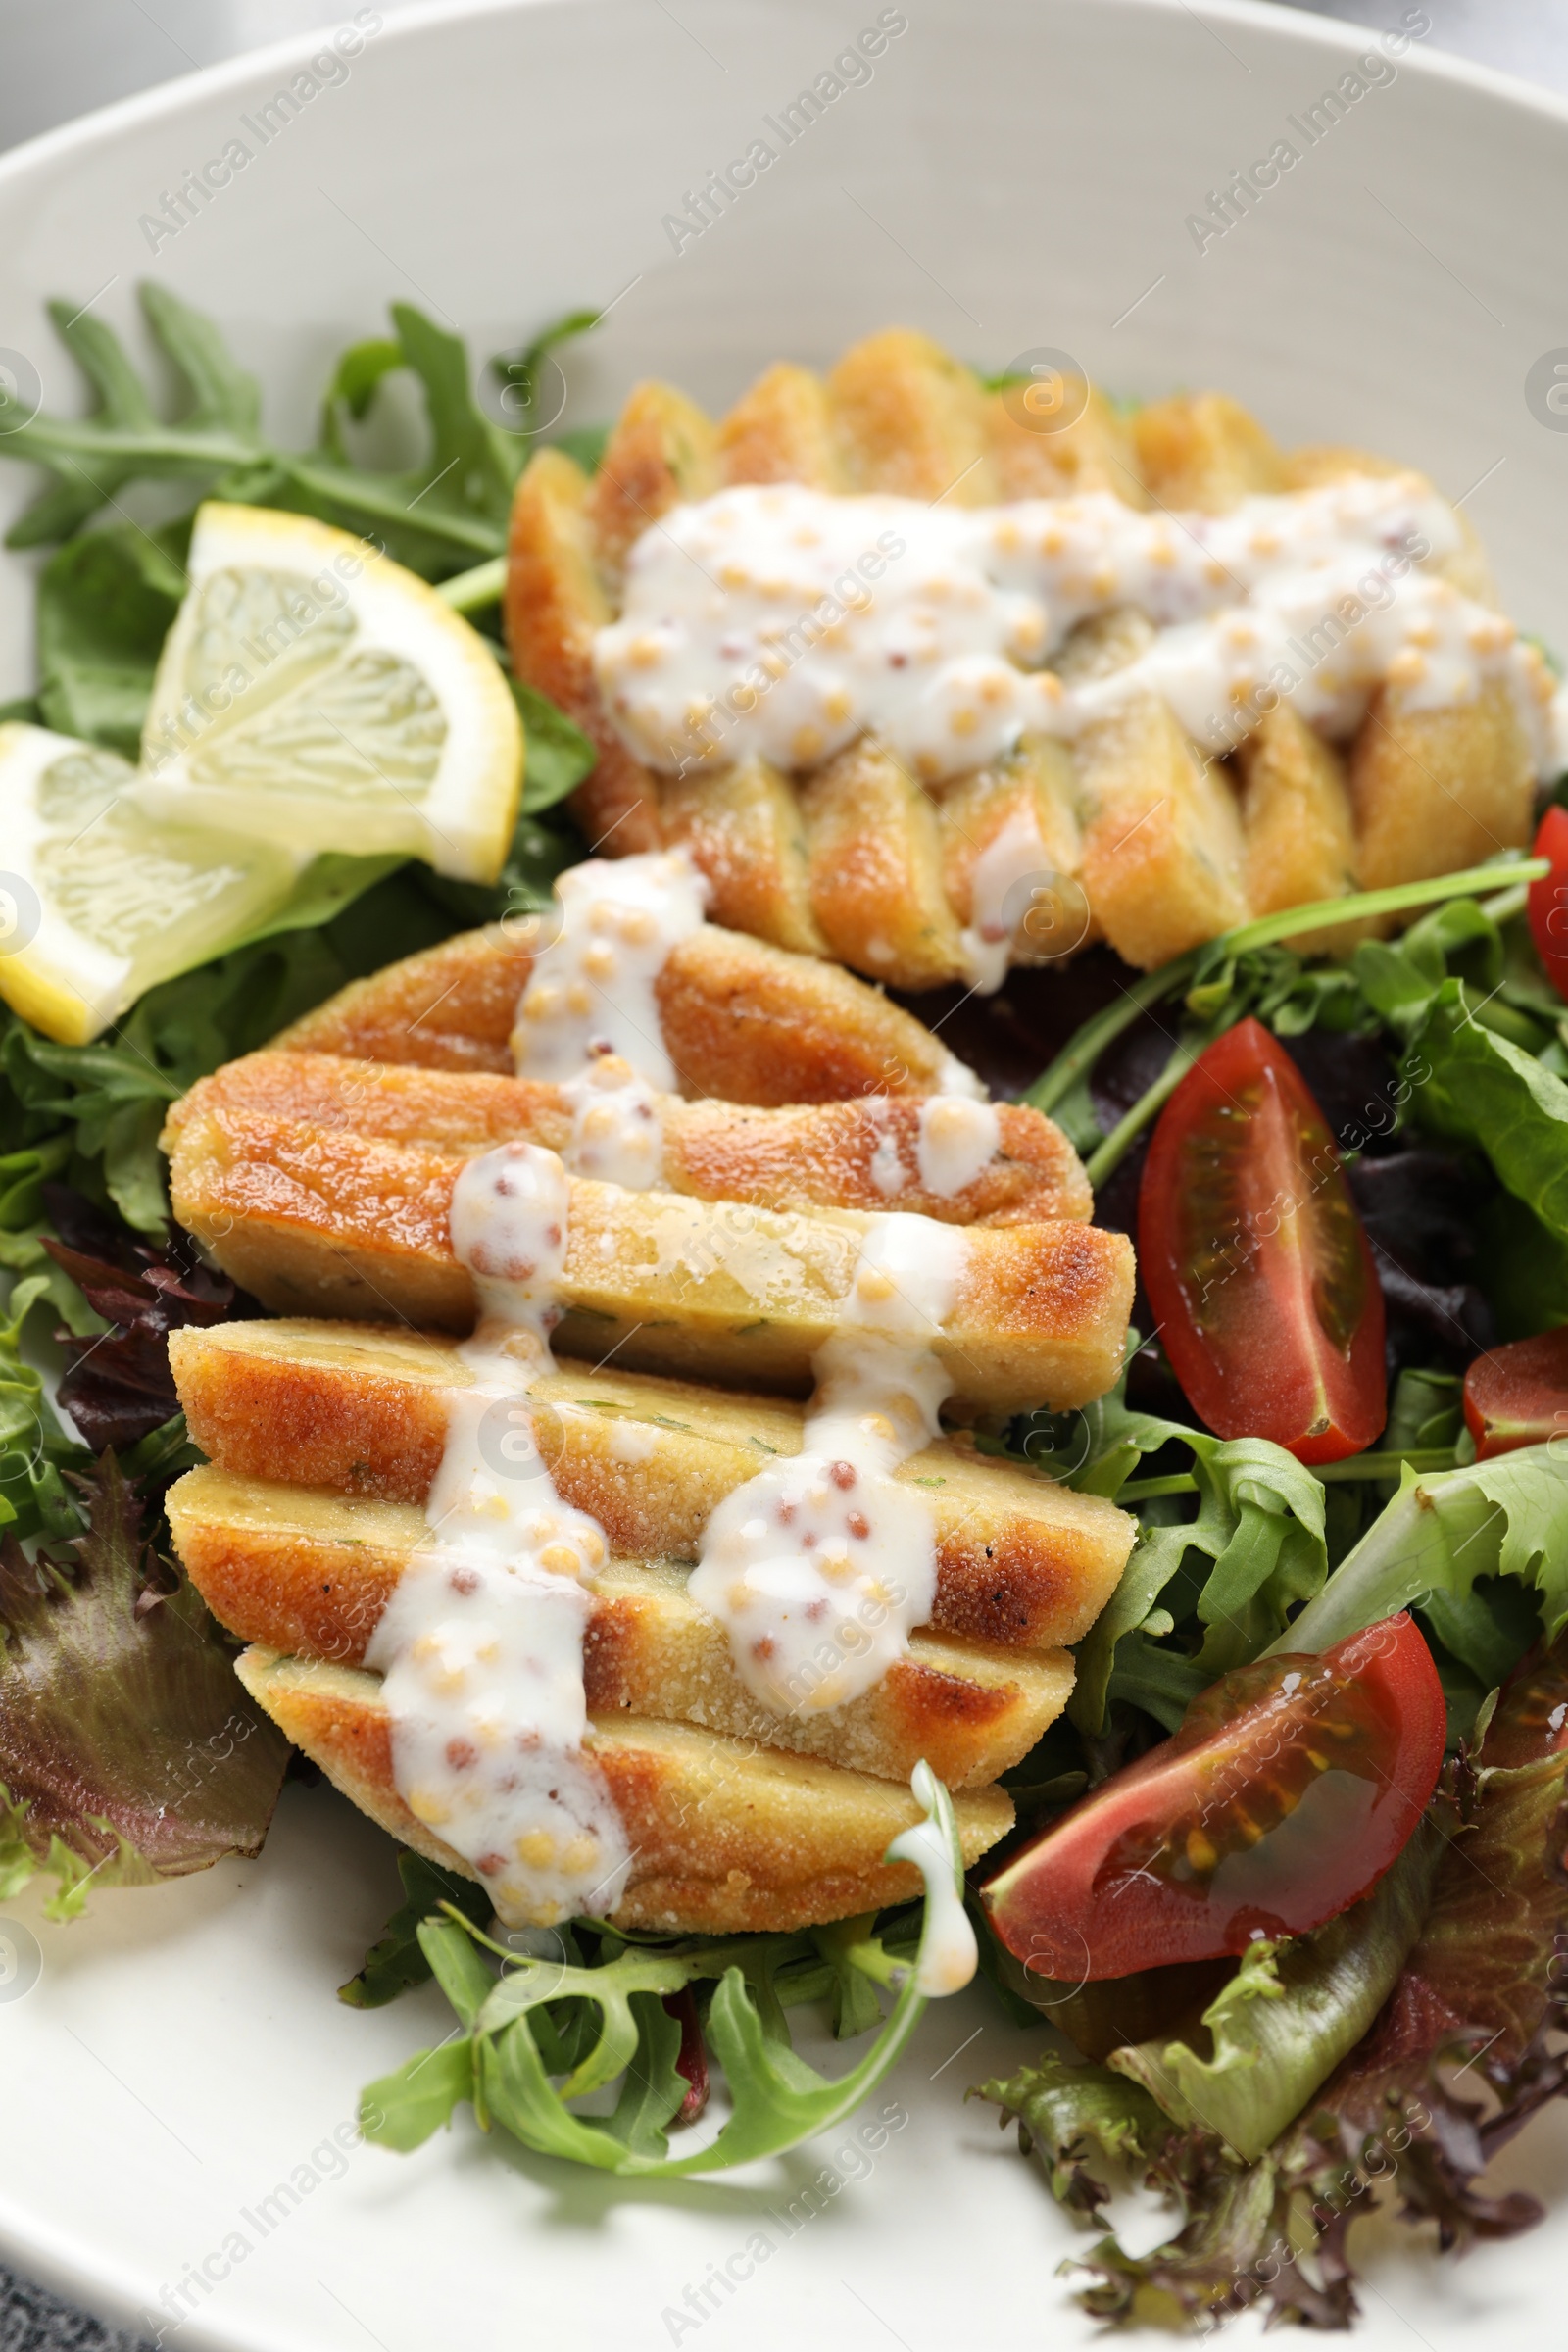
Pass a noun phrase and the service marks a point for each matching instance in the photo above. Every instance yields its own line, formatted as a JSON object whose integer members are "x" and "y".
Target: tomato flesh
{"x": 1531, "y": 1720}
{"x": 1255, "y": 1263}
{"x": 1289, "y": 1788}
{"x": 1518, "y": 1395}
{"x": 1549, "y": 899}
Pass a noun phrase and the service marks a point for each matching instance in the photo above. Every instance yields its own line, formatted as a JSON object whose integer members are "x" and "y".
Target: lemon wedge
{"x": 314, "y": 694}
{"x": 98, "y": 901}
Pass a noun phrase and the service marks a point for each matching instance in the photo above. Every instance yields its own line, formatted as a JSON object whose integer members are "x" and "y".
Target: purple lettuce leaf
{"x": 129, "y": 1752}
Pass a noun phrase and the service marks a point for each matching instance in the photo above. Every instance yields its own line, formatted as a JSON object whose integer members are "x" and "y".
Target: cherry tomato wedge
{"x": 1518, "y": 1395}
{"x": 1548, "y": 899}
{"x": 1289, "y": 1788}
{"x": 1531, "y": 1718}
{"x": 1254, "y": 1259}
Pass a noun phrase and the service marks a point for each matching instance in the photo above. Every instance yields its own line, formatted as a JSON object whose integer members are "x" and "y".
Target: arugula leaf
{"x": 523, "y": 373}
{"x": 105, "y": 602}
{"x": 128, "y": 1751}
{"x": 35, "y": 1451}
{"x": 559, "y": 752}
{"x": 1259, "y": 1520}
{"x": 512, "y": 2034}
{"x": 398, "y": 1960}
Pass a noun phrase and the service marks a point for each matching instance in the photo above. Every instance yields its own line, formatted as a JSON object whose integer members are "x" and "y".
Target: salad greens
{"x": 84, "y": 1228}
{"x": 128, "y": 1751}
{"x": 1267, "y": 2228}
{"x": 601, "y": 2016}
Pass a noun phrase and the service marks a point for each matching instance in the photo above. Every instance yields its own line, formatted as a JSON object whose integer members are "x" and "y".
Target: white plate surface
{"x": 1011, "y": 176}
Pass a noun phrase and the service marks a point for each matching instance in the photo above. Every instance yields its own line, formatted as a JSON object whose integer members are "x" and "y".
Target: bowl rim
{"x": 164, "y": 100}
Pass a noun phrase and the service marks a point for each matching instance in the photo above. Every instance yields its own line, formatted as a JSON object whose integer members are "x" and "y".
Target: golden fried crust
{"x": 802, "y": 1157}
{"x": 1094, "y": 451}
{"x": 781, "y": 431}
{"x": 875, "y": 848}
{"x": 317, "y": 1220}
{"x": 1439, "y": 790}
{"x": 740, "y": 1019}
{"x": 1162, "y": 846}
{"x": 661, "y": 452}
{"x": 1203, "y": 451}
{"x": 1298, "y": 822}
{"x": 791, "y": 1158}
{"x": 362, "y": 1411}
{"x": 1037, "y": 784}
{"x": 554, "y": 603}
{"x": 449, "y": 1008}
{"x": 751, "y": 1023}
{"x": 742, "y": 831}
{"x": 911, "y": 420}
{"x": 308, "y": 1571}
{"x": 725, "y": 1838}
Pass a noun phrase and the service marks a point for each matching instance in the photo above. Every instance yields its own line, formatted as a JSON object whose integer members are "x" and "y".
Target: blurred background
{"x": 63, "y": 58}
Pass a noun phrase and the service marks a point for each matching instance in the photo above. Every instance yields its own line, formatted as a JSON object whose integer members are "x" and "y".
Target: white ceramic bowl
{"x": 1010, "y": 177}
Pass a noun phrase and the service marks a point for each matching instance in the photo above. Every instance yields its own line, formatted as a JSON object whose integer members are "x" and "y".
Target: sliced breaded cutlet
{"x": 725, "y": 1837}
{"x": 872, "y": 1155}
{"x": 362, "y": 1410}
{"x": 740, "y": 1019}
{"x": 306, "y": 1571}
{"x": 329, "y": 1222}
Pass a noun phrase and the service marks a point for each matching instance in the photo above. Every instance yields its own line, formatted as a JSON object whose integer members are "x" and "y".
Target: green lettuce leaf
{"x": 1440, "y": 1533}
{"x": 128, "y": 1749}
{"x": 1476, "y": 1086}
{"x": 1289, "y": 2014}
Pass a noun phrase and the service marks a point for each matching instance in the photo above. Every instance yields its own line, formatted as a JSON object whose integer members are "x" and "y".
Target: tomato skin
{"x": 1518, "y": 1395}
{"x": 1255, "y": 1261}
{"x": 1549, "y": 899}
{"x": 1177, "y": 1857}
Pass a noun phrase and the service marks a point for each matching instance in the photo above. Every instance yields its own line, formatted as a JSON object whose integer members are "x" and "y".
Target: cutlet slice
{"x": 868, "y": 1156}
{"x": 364, "y": 1410}
{"x": 725, "y": 1837}
{"x": 740, "y": 1019}
{"x": 323, "y": 1221}
{"x": 304, "y": 1570}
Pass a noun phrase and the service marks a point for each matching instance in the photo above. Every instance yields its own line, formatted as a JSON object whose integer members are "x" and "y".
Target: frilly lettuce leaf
{"x": 1289, "y": 2014}
{"x": 1506, "y": 1517}
{"x": 129, "y": 1752}
{"x": 597, "y": 2024}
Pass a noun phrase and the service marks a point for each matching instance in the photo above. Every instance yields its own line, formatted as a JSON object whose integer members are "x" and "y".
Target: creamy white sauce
{"x": 821, "y": 1566}
{"x": 929, "y": 625}
{"x": 592, "y": 987}
{"x": 1016, "y": 856}
{"x": 480, "y": 1646}
{"x": 957, "y": 1140}
{"x": 887, "y": 1171}
{"x": 617, "y": 1134}
{"x": 950, "y": 1954}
